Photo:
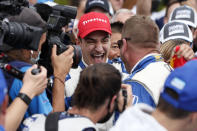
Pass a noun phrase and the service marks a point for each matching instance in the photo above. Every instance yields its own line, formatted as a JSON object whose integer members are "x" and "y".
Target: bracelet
{"x": 25, "y": 98}
{"x": 55, "y": 77}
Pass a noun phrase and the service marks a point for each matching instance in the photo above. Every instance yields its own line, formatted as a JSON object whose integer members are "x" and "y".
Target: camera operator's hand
{"x": 129, "y": 100}
{"x": 61, "y": 65}
{"x": 63, "y": 62}
{"x": 34, "y": 84}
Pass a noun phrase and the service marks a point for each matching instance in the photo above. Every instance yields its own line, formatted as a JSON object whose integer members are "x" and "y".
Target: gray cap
{"x": 103, "y": 4}
{"x": 184, "y": 14}
{"x": 175, "y": 30}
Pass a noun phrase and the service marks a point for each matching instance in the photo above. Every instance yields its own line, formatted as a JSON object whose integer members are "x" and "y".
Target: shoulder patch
{"x": 158, "y": 58}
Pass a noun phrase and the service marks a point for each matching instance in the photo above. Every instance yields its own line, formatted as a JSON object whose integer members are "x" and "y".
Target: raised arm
{"x": 61, "y": 65}
{"x": 32, "y": 85}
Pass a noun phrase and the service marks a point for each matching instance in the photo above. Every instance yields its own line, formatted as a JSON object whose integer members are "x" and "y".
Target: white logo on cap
{"x": 93, "y": 20}
{"x": 178, "y": 83}
{"x": 175, "y": 29}
{"x": 183, "y": 14}
{"x": 96, "y": 1}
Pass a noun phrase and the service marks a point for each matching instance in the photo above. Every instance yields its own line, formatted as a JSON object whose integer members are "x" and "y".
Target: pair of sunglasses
{"x": 120, "y": 42}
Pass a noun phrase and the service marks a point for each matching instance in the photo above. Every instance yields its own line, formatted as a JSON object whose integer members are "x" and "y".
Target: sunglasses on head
{"x": 120, "y": 42}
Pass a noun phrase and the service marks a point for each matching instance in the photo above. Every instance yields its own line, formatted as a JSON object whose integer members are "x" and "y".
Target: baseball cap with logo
{"x": 184, "y": 14}
{"x": 182, "y": 81}
{"x": 175, "y": 30}
{"x": 91, "y": 22}
{"x": 103, "y": 4}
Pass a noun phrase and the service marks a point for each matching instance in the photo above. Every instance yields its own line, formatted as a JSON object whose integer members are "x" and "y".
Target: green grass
{"x": 62, "y": 2}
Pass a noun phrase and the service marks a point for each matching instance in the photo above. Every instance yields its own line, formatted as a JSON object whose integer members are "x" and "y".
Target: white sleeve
{"x": 34, "y": 123}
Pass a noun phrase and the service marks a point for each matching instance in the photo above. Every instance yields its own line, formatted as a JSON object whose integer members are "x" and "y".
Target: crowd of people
{"x": 137, "y": 70}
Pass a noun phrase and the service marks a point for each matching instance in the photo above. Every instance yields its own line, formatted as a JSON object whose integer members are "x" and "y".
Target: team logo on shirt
{"x": 135, "y": 100}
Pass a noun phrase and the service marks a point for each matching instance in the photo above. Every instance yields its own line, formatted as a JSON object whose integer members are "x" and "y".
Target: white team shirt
{"x": 66, "y": 122}
{"x": 138, "y": 118}
{"x": 73, "y": 77}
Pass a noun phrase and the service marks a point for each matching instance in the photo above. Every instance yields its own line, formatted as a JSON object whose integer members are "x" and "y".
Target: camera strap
{"x": 51, "y": 123}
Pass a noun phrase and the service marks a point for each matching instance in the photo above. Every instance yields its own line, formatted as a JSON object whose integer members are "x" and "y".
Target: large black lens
{"x": 16, "y": 35}
{"x": 20, "y": 35}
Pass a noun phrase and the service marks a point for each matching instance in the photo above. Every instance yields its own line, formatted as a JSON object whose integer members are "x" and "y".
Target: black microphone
{"x": 12, "y": 71}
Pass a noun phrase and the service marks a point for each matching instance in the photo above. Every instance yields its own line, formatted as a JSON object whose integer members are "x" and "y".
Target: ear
{"x": 124, "y": 46}
{"x": 112, "y": 103}
{"x": 158, "y": 46}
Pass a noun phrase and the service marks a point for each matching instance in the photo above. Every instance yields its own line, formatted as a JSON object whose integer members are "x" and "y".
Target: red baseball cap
{"x": 91, "y": 22}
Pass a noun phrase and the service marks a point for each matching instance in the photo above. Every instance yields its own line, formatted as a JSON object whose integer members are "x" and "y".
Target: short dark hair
{"x": 142, "y": 31}
{"x": 116, "y": 27}
{"x": 168, "y": 109}
{"x": 96, "y": 84}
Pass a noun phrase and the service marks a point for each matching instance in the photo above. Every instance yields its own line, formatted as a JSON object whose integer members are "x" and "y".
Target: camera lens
{"x": 16, "y": 34}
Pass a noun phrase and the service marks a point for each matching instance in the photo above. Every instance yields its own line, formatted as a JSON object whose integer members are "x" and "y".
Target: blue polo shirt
{"x": 39, "y": 104}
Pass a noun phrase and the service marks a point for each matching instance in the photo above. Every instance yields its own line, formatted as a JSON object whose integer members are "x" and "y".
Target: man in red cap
{"x": 94, "y": 35}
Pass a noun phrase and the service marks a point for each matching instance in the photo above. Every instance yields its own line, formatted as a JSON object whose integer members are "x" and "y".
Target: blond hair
{"x": 167, "y": 47}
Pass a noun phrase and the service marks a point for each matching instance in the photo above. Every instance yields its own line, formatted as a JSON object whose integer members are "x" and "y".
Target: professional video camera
{"x": 12, "y": 7}
{"x": 60, "y": 17}
{"x": 17, "y": 35}
{"x": 20, "y": 35}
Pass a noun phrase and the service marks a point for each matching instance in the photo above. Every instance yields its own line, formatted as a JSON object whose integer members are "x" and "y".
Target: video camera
{"x": 12, "y": 7}
{"x": 20, "y": 35}
{"x": 17, "y": 35}
{"x": 23, "y": 36}
{"x": 60, "y": 17}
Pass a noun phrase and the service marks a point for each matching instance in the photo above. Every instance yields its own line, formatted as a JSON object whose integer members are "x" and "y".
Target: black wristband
{"x": 25, "y": 98}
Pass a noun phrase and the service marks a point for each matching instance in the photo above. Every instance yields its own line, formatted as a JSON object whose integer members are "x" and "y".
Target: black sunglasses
{"x": 120, "y": 42}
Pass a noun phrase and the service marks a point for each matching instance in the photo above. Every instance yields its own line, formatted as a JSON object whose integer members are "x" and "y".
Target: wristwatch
{"x": 25, "y": 98}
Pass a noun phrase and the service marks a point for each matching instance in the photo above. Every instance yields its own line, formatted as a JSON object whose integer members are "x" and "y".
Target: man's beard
{"x": 108, "y": 116}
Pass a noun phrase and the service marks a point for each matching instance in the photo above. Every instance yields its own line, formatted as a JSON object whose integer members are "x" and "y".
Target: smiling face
{"x": 95, "y": 47}
{"x": 114, "y": 50}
